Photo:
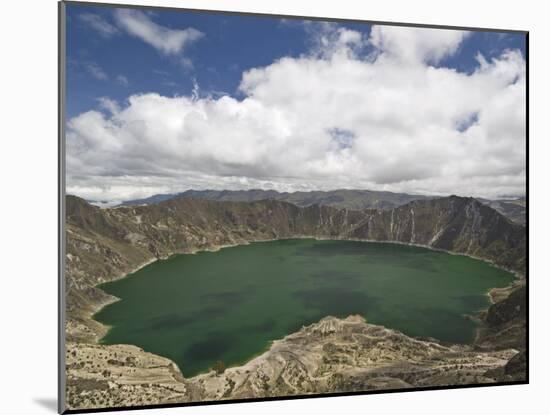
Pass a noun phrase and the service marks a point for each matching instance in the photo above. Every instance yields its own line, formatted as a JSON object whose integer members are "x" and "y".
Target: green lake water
{"x": 229, "y": 305}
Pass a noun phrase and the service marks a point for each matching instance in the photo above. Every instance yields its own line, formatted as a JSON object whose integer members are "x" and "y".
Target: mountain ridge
{"x": 356, "y": 199}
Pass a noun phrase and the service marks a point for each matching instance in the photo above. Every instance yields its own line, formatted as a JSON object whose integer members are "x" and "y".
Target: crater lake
{"x": 228, "y": 305}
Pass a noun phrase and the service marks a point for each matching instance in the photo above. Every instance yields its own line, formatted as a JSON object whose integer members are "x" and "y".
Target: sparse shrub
{"x": 219, "y": 367}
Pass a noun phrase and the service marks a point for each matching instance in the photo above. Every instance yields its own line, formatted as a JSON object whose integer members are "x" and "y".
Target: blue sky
{"x": 218, "y": 59}
{"x": 161, "y": 101}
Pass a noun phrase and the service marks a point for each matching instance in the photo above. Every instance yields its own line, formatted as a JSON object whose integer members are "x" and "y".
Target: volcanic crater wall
{"x": 105, "y": 244}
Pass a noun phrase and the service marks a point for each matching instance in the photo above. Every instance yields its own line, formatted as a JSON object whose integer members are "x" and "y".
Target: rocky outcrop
{"x": 348, "y": 355}
{"x": 506, "y": 321}
{"x": 333, "y": 355}
{"x": 105, "y": 244}
{"x": 121, "y": 375}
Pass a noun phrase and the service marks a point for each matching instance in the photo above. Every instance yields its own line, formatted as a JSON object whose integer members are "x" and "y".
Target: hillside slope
{"x": 513, "y": 209}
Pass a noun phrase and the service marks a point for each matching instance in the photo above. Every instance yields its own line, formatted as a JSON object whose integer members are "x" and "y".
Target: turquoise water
{"x": 228, "y": 305}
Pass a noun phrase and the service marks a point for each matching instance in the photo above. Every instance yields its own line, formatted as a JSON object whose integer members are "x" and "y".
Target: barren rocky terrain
{"x": 333, "y": 355}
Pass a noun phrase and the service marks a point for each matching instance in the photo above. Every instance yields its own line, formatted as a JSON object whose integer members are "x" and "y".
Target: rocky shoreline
{"x": 333, "y": 355}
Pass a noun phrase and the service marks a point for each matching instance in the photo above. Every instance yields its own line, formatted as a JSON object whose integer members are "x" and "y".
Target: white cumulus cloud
{"x": 411, "y": 44}
{"x": 386, "y": 121}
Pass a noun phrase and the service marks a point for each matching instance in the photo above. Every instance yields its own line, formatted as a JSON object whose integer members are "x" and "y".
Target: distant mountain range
{"x": 513, "y": 209}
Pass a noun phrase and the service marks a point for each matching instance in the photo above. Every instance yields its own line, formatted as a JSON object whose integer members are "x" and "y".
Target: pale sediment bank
{"x": 332, "y": 355}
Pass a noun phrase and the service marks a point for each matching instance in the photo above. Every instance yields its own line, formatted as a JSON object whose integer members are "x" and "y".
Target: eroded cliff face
{"x": 104, "y": 244}
{"x": 346, "y": 355}
{"x": 513, "y": 209}
{"x": 333, "y": 355}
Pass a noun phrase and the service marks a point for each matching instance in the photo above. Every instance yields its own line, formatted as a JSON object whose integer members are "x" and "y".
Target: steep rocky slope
{"x": 333, "y": 355}
{"x": 513, "y": 209}
{"x": 104, "y": 244}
